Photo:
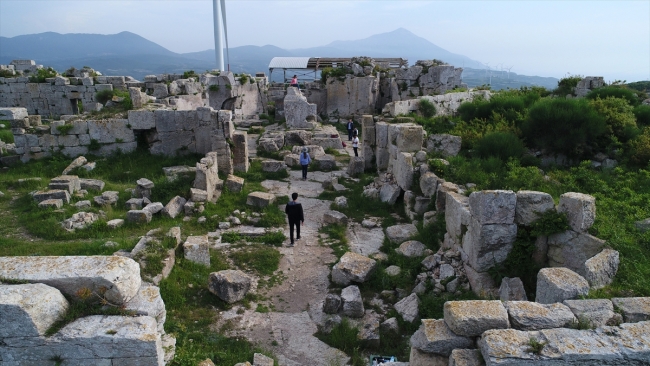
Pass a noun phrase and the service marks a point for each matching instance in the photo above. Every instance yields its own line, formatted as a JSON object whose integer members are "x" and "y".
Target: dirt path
{"x": 288, "y": 330}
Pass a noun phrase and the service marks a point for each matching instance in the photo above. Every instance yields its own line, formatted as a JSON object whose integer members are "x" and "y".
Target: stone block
{"x": 580, "y": 209}
{"x": 389, "y": 193}
{"x": 148, "y": 302}
{"x": 434, "y": 336}
{"x": 352, "y": 303}
{"x": 142, "y": 119}
{"x": 466, "y": 357}
{"x": 28, "y": 310}
{"x": 91, "y": 184}
{"x": 260, "y": 199}
{"x": 407, "y": 308}
{"x": 325, "y": 162}
{"x": 488, "y": 245}
{"x": 229, "y": 285}
{"x": 601, "y": 268}
{"x": 530, "y": 205}
{"x": 111, "y": 131}
{"x": 457, "y": 215}
{"x": 512, "y": 289}
{"x": 447, "y": 145}
{"x": 41, "y": 196}
{"x": 174, "y": 207}
{"x": 138, "y": 216}
{"x": 356, "y": 166}
{"x": 331, "y": 304}
{"x": 572, "y": 249}
{"x": 107, "y": 198}
{"x": 234, "y": 184}
{"x": 419, "y": 358}
{"x": 313, "y": 150}
{"x": 115, "y": 223}
{"x": 12, "y": 113}
{"x": 198, "y": 195}
{"x": 559, "y": 284}
{"x": 71, "y": 182}
{"x": 240, "y": 151}
{"x": 334, "y": 217}
{"x": 398, "y": 234}
{"x": 429, "y": 184}
{"x": 117, "y": 279}
{"x": 596, "y": 312}
{"x": 273, "y": 166}
{"x": 261, "y": 360}
{"x": 634, "y": 309}
{"x": 493, "y": 207}
{"x": 51, "y": 203}
{"x": 403, "y": 170}
{"x": 353, "y": 267}
{"x": 197, "y": 250}
{"x": 526, "y": 315}
{"x": 411, "y": 248}
{"x": 472, "y": 318}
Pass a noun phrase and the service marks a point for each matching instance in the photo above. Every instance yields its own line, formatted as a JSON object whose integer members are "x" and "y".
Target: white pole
{"x": 218, "y": 33}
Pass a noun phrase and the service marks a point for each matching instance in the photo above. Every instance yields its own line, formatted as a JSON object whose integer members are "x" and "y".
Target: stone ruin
{"x": 43, "y": 289}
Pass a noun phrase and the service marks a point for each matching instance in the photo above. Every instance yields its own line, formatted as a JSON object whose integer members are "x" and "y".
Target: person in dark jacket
{"x": 295, "y": 216}
{"x": 350, "y": 127}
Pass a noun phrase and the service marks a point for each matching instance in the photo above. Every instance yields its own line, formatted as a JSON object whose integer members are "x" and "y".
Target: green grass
{"x": 79, "y": 309}
{"x": 258, "y": 258}
{"x": 344, "y": 337}
{"x": 5, "y": 133}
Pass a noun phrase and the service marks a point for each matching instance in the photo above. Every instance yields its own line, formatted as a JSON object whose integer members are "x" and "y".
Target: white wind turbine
{"x": 220, "y": 32}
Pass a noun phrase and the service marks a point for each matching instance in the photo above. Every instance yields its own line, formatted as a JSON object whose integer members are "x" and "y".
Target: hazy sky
{"x": 546, "y": 38}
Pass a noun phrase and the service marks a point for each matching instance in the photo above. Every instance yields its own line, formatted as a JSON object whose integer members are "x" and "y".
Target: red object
{"x": 344, "y": 145}
{"x": 334, "y": 136}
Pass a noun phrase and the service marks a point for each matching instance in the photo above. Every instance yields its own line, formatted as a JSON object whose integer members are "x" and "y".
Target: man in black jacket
{"x": 295, "y": 215}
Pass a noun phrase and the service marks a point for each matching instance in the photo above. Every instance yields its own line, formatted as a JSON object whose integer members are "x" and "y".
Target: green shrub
{"x": 103, "y": 96}
{"x": 615, "y": 92}
{"x": 7, "y": 74}
{"x": 567, "y": 85}
{"x": 334, "y": 72}
{"x": 640, "y": 149}
{"x": 564, "y": 126}
{"x": 214, "y": 88}
{"x": 5, "y": 134}
{"x": 642, "y": 114}
{"x": 64, "y": 129}
{"x": 243, "y": 79}
{"x": 503, "y": 145}
{"x": 190, "y": 74}
{"x": 42, "y": 74}
{"x": 619, "y": 117}
{"x": 427, "y": 108}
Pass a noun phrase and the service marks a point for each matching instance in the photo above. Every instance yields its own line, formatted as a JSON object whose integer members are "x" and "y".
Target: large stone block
{"x": 142, "y": 120}
{"x": 149, "y": 302}
{"x": 493, "y": 207}
{"x": 110, "y": 131}
{"x": 234, "y": 183}
{"x": 403, "y": 170}
{"x": 407, "y": 137}
{"x": 197, "y": 249}
{"x": 229, "y": 285}
{"x": 472, "y": 318}
{"x": 353, "y": 267}
{"x": 447, "y": 145}
{"x": 28, "y": 310}
{"x": 398, "y": 234}
{"x": 530, "y": 205}
{"x": 273, "y": 166}
{"x": 352, "y": 302}
{"x": 429, "y": 184}
{"x": 572, "y": 249}
{"x": 174, "y": 207}
{"x": 356, "y": 166}
{"x": 138, "y": 216}
{"x": 601, "y": 268}
{"x": 52, "y": 194}
{"x": 596, "y": 312}
{"x": 240, "y": 151}
{"x": 115, "y": 278}
{"x": 512, "y": 289}
{"x": 260, "y": 199}
{"x": 488, "y": 245}
{"x": 407, "y": 308}
{"x": 334, "y": 217}
{"x": 634, "y": 309}
{"x": 389, "y": 193}
{"x": 434, "y": 336}
{"x": 325, "y": 162}
{"x": 457, "y": 216}
{"x": 13, "y": 113}
{"x": 579, "y": 208}
{"x": 165, "y": 120}
{"x": 559, "y": 284}
{"x": 526, "y": 315}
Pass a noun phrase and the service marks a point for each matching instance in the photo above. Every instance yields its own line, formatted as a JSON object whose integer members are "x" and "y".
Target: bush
{"x": 566, "y": 85}
{"x": 42, "y": 74}
{"x": 642, "y": 114}
{"x": 334, "y": 72}
{"x": 619, "y": 116}
{"x": 190, "y": 74}
{"x": 503, "y": 145}
{"x": 104, "y": 96}
{"x": 616, "y": 92}
{"x": 564, "y": 126}
{"x": 427, "y": 108}
{"x": 640, "y": 149}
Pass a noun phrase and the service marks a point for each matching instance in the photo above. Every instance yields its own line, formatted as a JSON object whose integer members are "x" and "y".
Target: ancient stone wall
{"x": 446, "y": 104}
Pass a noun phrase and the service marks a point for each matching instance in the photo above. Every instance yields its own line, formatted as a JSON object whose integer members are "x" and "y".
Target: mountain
{"x": 398, "y": 43}
{"x": 127, "y": 53}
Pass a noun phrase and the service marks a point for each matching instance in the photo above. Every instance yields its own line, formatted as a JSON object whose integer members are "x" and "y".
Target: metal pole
{"x": 218, "y": 33}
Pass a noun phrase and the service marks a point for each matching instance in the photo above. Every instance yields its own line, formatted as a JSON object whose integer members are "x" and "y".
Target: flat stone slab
{"x": 634, "y": 309}
{"x": 525, "y": 315}
{"x": 559, "y": 284}
{"x": 365, "y": 241}
{"x": 597, "y": 312}
{"x": 434, "y": 336}
{"x": 353, "y": 267}
{"x": 28, "y": 310}
{"x": 91, "y": 184}
{"x": 260, "y": 199}
{"x": 115, "y": 278}
{"x": 398, "y": 234}
{"x": 61, "y": 194}
{"x": 628, "y": 344}
{"x": 196, "y": 249}
{"x": 472, "y": 318}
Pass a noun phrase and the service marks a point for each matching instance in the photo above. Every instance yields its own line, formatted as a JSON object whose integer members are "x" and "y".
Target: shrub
{"x": 616, "y": 92}
{"x": 103, "y": 96}
{"x": 640, "y": 149}
{"x": 334, "y": 72}
{"x": 642, "y": 114}
{"x": 190, "y": 74}
{"x": 243, "y": 79}
{"x": 566, "y": 85}
{"x": 427, "y": 108}
{"x": 42, "y": 74}
{"x": 619, "y": 116}
{"x": 503, "y": 145}
{"x": 564, "y": 126}
{"x": 511, "y": 107}
{"x": 7, "y": 74}
{"x": 64, "y": 129}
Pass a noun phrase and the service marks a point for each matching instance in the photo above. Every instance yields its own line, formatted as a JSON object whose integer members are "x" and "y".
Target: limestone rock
{"x": 149, "y": 302}
{"x": 79, "y": 161}
{"x": 580, "y": 210}
{"x": 434, "y": 336}
{"x": 115, "y": 223}
{"x": 341, "y": 202}
{"x": 174, "y": 207}
{"x": 260, "y": 199}
{"x": 261, "y": 360}
{"x": 572, "y": 249}
{"x": 273, "y": 166}
{"x": 601, "y": 268}
{"x": 334, "y": 217}
{"x": 115, "y": 278}
{"x": 331, "y": 304}
{"x": 559, "y": 284}
{"x": 91, "y": 184}
{"x": 80, "y": 220}
{"x": 353, "y": 267}
{"x": 107, "y": 198}
{"x": 356, "y": 166}
{"x": 403, "y": 170}
{"x": 408, "y": 307}
{"x": 419, "y": 358}
{"x": 138, "y": 216}
{"x": 493, "y": 207}
{"x": 41, "y": 196}
{"x": 596, "y": 312}
{"x": 28, "y": 310}
{"x": 134, "y": 204}
{"x": 389, "y": 193}
{"x": 488, "y": 245}
{"x": 390, "y": 325}
{"x": 234, "y": 184}
{"x": 197, "y": 250}
{"x": 526, "y": 315}
{"x": 481, "y": 282}
{"x": 512, "y": 289}
{"x": 466, "y": 357}
{"x": 472, "y": 318}
{"x": 154, "y": 207}
{"x": 447, "y": 145}
{"x": 398, "y": 234}
{"x": 393, "y": 270}
{"x": 52, "y": 203}
{"x": 446, "y": 271}
{"x": 411, "y": 248}
{"x": 229, "y": 285}
{"x": 530, "y": 205}
{"x": 325, "y": 162}
{"x": 634, "y": 309}
{"x": 352, "y": 302}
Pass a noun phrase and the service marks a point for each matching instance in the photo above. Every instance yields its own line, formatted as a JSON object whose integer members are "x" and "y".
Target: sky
{"x": 544, "y": 38}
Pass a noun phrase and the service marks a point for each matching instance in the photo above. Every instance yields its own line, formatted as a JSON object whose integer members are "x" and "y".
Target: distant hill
{"x": 503, "y": 80}
{"x": 127, "y": 53}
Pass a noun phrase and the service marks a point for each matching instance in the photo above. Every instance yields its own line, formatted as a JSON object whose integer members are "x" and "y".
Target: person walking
{"x": 350, "y": 127}
{"x": 295, "y": 216}
{"x": 305, "y": 159}
{"x": 294, "y": 82}
{"x": 355, "y": 144}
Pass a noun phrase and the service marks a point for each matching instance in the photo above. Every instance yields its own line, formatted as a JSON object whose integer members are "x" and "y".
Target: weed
{"x": 344, "y": 337}
{"x": 261, "y": 259}
{"x": 536, "y": 346}
{"x": 94, "y": 145}
{"x": 64, "y": 129}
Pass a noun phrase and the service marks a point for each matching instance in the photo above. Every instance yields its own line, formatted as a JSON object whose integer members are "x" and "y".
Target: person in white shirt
{"x": 355, "y": 144}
